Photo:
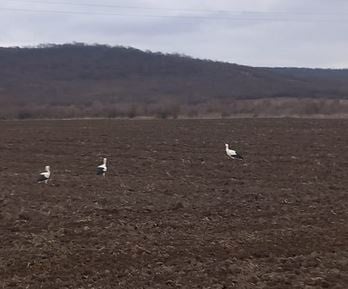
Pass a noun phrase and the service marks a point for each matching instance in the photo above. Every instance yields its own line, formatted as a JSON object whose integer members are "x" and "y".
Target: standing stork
{"x": 101, "y": 169}
{"x": 44, "y": 176}
{"x": 232, "y": 153}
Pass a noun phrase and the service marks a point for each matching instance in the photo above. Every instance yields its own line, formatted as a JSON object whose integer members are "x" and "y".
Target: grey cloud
{"x": 284, "y": 33}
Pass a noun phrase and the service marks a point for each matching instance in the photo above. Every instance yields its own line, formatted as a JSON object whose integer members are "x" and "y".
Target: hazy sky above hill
{"x": 305, "y": 33}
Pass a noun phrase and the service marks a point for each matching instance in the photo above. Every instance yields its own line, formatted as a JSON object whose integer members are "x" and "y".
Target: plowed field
{"x": 173, "y": 211}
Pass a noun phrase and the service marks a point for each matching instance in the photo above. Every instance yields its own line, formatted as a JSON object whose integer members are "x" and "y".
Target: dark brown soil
{"x": 173, "y": 210}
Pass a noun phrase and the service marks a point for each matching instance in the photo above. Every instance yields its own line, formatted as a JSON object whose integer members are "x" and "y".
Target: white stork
{"x": 232, "y": 153}
{"x": 44, "y": 176}
{"x": 101, "y": 169}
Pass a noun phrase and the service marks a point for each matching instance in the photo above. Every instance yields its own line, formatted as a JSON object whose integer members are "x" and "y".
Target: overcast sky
{"x": 302, "y": 33}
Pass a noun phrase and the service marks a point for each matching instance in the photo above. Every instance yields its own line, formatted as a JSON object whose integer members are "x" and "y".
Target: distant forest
{"x": 79, "y": 80}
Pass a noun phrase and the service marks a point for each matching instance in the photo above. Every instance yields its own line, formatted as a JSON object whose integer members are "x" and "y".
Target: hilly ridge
{"x": 73, "y": 80}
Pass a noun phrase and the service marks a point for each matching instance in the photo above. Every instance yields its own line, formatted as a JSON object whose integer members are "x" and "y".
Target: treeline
{"x": 281, "y": 107}
{"x": 78, "y": 80}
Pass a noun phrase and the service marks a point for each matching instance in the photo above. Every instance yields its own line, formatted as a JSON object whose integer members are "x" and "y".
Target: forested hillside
{"x": 77, "y": 80}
